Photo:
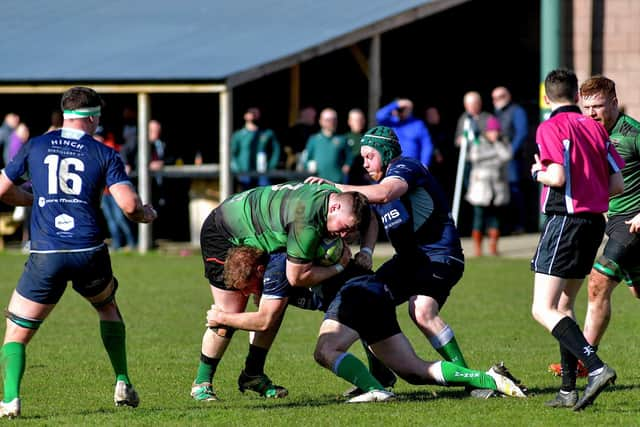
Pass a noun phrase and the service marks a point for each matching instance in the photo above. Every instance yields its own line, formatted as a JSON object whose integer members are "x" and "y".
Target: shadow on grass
{"x": 534, "y": 391}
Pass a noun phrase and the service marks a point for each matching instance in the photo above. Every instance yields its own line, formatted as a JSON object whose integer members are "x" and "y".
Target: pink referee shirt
{"x": 582, "y": 146}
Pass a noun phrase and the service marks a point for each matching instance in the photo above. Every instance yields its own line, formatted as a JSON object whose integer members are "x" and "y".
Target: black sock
{"x": 254, "y": 364}
{"x": 568, "y": 333}
{"x": 210, "y": 361}
{"x": 569, "y": 364}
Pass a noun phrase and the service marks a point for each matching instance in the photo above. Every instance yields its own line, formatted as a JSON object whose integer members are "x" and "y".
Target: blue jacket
{"x": 412, "y": 132}
{"x": 515, "y": 126}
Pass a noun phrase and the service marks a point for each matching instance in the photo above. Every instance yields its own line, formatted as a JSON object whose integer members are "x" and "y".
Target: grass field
{"x": 163, "y": 299}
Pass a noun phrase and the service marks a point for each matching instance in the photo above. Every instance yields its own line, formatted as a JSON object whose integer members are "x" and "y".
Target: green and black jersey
{"x": 625, "y": 135}
{"x": 292, "y": 215}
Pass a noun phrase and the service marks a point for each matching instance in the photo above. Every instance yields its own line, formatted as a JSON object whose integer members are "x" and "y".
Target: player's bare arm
{"x": 12, "y": 194}
{"x": 128, "y": 200}
{"x": 268, "y": 314}
{"x": 310, "y": 274}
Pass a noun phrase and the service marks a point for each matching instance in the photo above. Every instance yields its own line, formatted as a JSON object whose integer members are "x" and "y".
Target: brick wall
{"x": 620, "y": 47}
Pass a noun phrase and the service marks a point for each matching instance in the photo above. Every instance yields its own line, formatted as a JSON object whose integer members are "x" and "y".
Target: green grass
{"x": 68, "y": 380}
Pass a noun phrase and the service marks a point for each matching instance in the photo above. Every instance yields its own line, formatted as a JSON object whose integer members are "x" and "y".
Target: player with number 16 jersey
{"x": 68, "y": 170}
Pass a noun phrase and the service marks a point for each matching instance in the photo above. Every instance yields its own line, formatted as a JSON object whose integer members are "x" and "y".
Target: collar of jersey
{"x": 71, "y": 133}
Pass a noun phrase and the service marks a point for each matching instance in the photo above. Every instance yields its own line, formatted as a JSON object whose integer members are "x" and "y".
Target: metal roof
{"x": 190, "y": 40}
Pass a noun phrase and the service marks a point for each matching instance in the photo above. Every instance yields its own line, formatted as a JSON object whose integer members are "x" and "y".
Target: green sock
{"x": 452, "y": 353}
{"x": 206, "y": 369}
{"x": 353, "y": 370}
{"x": 113, "y": 337}
{"x": 13, "y": 360}
{"x": 457, "y": 375}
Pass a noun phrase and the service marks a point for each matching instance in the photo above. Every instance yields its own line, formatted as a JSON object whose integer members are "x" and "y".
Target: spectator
{"x": 118, "y": 225}
{"x": 129, "y": 150}
{"x": 356, "y": 122}
{"x": 488, "y": 185}
{"x": 415, "y": 140}
{"x": 56, "y": 120}
{"x": 297, "y": 137}
{"x": 253, "y": 149}
{"x": 327, "y": 154}
{"x": 515, "y": 127}
{"x": 471, "y": 124}
{"x": 10, "y": 123}
{"x": 22, "y": 214}
{"x": 473, "y": 121}
{"x": 443, "y": 158}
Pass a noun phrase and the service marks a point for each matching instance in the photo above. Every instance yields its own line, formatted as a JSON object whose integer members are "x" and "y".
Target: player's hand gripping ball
{"x": 329, "y": 251}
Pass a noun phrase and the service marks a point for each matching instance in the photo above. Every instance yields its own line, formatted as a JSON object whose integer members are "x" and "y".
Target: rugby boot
{"x": 595, "y": 385}
{"x": 556, "y": 370}
{"x": 505, "y": 385}
{"x": 10, "y": 409}
{"x": 203, "y": 392}
{"x": 125, "y": 395}
{"x": 262, "y": 385}
{"x": 388, "y": 379}
{"x": 373, "y": 396}
{"x": 564, "y": 399}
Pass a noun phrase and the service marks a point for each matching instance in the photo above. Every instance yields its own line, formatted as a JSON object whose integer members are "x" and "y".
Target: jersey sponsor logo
{"x": 67, "y": 143}
{"x": 42, "y": 201}
{"x": 64, "y": 222}
{"x": 391, "y": 218}
{"x": 391, "y": 215}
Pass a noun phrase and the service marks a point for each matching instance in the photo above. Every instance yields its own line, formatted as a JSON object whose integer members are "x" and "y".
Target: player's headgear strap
{"x": 81, "y": 113}
{"x": 385, "y": 141}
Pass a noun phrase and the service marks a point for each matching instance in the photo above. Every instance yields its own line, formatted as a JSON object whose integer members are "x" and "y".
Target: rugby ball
{"x": 329, "y": 251}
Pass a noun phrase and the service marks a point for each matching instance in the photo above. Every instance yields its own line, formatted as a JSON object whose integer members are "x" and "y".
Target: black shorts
{"x": 620, "y": 260}
{"x": 568, "y": 245}
{"x": 214, "y": 246}
{"x": 421, "y": 277}
{"x": 366, "y": 306}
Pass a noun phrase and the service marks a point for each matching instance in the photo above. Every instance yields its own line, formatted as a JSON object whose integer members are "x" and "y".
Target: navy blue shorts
{"x": 45, "y": 276}
{"x": 568, "y": 245}
{"x": 366, "y": 306}
{"x": 275, "y": 284}
{"x": 421, "y": 276}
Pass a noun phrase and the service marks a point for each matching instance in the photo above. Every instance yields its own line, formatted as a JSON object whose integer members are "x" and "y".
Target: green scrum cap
{"x": 385, "y": 141}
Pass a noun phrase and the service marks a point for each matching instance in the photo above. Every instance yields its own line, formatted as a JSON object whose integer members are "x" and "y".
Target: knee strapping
{"x": 443, "y": 338}
{"x": 223, "y": 331}
{"x": 23, "y": 322}
{"x": 110, "y": 298}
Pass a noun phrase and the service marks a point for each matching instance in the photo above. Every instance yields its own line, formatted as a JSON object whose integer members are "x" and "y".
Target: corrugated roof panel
{"x": 93, "y": 40}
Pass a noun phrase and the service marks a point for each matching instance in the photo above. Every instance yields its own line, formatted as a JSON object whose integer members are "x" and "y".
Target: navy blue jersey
{"x": 420, "y": 219}
{"x": 68, "y": 170}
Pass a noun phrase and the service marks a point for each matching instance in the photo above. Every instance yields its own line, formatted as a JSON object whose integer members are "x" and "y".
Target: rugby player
{"x": 291, "y": 218}
{"x": 348, "y": 316}
{"x": 68, "y": 171}
{"x": 428, "y": 258}
{"x": 619, "y": 261}
{"x": 579, "y": 169}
